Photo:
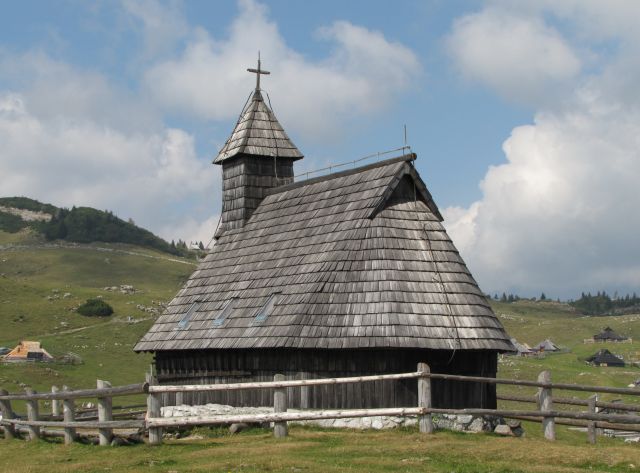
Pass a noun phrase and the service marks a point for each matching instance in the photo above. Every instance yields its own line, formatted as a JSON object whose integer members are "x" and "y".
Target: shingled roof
{"x": 357, "y": 259}
{"x": 258, "y": 132}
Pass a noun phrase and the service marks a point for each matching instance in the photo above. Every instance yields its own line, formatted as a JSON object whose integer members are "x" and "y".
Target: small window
{"x": 267, "y": 308}
{"x": 187, "y": 316}
{"x": 225, "y": 311}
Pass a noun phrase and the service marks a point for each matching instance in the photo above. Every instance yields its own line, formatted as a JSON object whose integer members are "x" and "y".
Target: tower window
{"x": 193, "y": 308}
{"x": 227, "y": 308}
{"x": 267, "y": 308}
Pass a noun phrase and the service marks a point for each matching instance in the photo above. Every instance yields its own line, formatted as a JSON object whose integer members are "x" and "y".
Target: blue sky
{"x": 523, "y": 115}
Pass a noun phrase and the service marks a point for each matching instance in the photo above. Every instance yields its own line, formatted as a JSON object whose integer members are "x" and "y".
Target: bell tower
{"x": 257, "y": 156}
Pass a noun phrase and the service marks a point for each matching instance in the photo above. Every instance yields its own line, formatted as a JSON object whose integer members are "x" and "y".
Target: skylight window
{"x": 225, "y": 311}
{"x": 267, "y": 308}
{"x": 187, "y": 316}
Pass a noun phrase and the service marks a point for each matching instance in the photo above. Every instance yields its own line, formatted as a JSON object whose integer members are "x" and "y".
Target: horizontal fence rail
{"x": 65, "y": 418}
{"x": 361, "y": 379}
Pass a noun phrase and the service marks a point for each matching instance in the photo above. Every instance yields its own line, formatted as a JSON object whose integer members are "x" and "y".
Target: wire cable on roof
{"x": 438, "y": 277}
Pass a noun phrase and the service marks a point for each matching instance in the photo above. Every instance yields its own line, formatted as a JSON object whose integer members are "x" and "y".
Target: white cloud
{"x": 518, "y": 56}
{"x": 74, "y": 136}
{"x": 560, "y": 215}
{"x": 145, "y": 176}
{"x": 209, "y": 79}
{"x": 162, "y": 25}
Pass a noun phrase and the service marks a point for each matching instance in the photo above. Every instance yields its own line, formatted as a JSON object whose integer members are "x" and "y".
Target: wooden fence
{"x": 545, "y": 412}
{"x": 65, "y": 419}
{"x": 104, "y": 421}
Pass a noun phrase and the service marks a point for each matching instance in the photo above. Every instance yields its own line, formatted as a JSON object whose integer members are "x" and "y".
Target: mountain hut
{"x": 347, "y": 274}
{"x": 604, "y": 357}
{"x": 28, "y": 351}
{"x": 608, "y": 335}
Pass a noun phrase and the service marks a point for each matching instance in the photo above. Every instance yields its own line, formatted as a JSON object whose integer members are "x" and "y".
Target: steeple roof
{"x": 258, "y": 131}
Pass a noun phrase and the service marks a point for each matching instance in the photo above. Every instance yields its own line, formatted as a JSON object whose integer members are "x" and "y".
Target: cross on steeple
{"x": 258, "y": 72}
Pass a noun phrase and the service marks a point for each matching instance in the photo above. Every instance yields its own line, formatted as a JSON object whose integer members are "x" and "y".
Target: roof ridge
{"x": 326, "y": 177}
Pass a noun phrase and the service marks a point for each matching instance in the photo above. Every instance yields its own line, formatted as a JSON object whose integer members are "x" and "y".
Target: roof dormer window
{"x": 225, "y": 311}
{"x": 186, "y": 318}
{"x": 266, "y": 309}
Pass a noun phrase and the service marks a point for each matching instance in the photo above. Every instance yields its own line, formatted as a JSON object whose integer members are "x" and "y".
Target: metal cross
{"x": 258, "y": 72}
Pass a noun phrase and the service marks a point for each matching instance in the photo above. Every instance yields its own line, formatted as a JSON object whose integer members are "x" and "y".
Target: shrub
{"x": 95, "y": 308}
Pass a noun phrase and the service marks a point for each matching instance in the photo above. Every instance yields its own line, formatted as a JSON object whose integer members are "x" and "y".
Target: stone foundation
{"x": 458, "y": 423}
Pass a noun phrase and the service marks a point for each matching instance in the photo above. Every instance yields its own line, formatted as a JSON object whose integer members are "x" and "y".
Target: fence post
{"x": 279, "y": 405}
{"x": 591, "y": 426}
{"x": 104, "y": 414}
{"x": 153, "y": 411}
{"x": 7, "y": 413}
{"x": 545, "y": 403}
{"x": 69, "y": 415}
{"x": 55, "y": 404}
{"x": 424, "y": 399}
{"x": 32, "y": 414}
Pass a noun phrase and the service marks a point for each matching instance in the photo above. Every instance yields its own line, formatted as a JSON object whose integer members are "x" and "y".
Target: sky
{"x": 524, "y": 114}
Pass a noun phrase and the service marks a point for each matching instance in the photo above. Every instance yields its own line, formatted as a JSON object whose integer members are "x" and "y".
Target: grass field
{"x": 33, "y": 282}
{"x": 317, "y": 450}
{"x": 34, "y": 279}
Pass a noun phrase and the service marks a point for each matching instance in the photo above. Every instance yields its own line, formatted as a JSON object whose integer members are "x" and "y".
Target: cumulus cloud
{"x": 68, "y": 162}
{"x": 209, "y": 78}
{"x": 518, "y": 56}
{"x": 559, "y": 215}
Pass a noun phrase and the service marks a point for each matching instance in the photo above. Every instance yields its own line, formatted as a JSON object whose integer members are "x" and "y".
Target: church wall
{"x": 234, "y": 366}
{"x": 245, "y": 180}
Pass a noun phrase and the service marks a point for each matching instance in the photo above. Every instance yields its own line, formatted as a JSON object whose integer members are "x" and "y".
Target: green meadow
{"x": 41, "y": 285}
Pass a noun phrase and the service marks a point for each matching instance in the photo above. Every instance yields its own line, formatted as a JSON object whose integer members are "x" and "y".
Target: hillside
{"x": 78, "y": 225}
{"x": 40, "y": 285}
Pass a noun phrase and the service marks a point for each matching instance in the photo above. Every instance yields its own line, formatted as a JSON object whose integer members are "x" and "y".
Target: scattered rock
{"x": 237, "y": 428}
{"x": 66, "y": 295}
{"x": 503, "y": 429}
{"x": 118, "y": 441}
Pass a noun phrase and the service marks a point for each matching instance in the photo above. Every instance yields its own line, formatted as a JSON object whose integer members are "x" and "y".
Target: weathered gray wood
{"x": 591, "y": 426}
{"x": 69, "y": 413}
{"x": 138, "y": 388}
{"x": 546, "y": 405}
{"x": 277, "y": 384}
{"x": 105, "y": 414}
{"x": 279, "y": 405}
{"x": 425, "y": 422}
{"x": 32, "y": 415}
{"x": 7, "y": 413}
{"x": 305, "y": 392}
{"x": 80, "y": 424}
{"x": 572, "y": 402}
{"x": 358, "y": 379}
{"x": 281, "y": 417}
{"x": 582, "y": 423}
{"x": 55, "y": 403}
{"x": 154, "y": 410}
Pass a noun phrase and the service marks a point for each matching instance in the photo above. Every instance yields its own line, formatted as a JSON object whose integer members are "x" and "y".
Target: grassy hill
{"x": 40, "y": 286}
{"x": 78, "y": 225}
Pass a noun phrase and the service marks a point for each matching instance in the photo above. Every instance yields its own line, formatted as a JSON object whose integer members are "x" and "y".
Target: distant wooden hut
{"x": 604, "y": 357}
{"x": 546, "y": 346}
{"x": 608, "y": 335}
{"x": 28, "y": 351}
{"x": 521, "y": 349}
{"x": 346, "y": 274}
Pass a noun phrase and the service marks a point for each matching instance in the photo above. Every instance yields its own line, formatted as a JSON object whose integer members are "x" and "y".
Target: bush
{"x": 95, "y": 308}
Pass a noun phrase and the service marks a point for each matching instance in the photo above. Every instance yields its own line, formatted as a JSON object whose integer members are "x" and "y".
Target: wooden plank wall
{"x": 245, "y": 180}
{"x": 233, "y": 366}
